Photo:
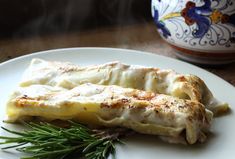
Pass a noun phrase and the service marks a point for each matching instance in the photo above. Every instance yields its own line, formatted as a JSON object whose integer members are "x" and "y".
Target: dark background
{"x": 19, "y": 18}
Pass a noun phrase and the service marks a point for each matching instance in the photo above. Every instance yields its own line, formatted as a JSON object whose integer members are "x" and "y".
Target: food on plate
{"x": 145, "y": 112}
{"x": 67, "y": 75}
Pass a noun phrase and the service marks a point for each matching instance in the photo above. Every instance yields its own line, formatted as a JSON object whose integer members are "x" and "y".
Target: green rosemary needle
{"x": 46, "y": 141}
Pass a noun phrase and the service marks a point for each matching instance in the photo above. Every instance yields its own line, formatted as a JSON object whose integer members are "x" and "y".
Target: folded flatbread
{"x": 145, "y": 112}
{"x": 67, "y": 75}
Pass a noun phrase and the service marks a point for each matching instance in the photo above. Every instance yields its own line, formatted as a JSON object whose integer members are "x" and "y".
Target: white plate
{"x": 219, "y": 145}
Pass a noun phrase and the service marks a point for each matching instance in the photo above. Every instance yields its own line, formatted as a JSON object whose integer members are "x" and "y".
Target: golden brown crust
{"x": 157, "y": 80}
{"x": 115, "y": 106}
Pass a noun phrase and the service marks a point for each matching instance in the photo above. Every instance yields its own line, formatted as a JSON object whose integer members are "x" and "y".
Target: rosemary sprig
{"x": 46, "y": 141}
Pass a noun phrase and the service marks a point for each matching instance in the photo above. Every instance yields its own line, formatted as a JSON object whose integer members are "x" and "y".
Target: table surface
{"x": 142, "y": 37}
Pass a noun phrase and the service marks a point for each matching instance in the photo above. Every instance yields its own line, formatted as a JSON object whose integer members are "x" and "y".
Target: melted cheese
{"x": 142, "y": 111}
{"x": 168, "y": 82}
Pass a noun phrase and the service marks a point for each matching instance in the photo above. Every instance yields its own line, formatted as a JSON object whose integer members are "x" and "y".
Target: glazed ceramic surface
{"x": 197, "y": 25}
{"x": 220, "y": 144}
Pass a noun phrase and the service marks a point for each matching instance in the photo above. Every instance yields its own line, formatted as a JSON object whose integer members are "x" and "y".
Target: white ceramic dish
{"x": 219, "y": 145}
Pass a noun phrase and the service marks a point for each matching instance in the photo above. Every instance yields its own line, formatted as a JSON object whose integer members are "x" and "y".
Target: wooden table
{"x": 137, "y": 36}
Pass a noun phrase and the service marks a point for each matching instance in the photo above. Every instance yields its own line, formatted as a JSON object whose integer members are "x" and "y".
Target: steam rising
{"x": 58, "y": 16}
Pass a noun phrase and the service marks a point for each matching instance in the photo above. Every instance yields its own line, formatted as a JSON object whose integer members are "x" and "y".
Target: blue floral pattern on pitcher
{"x": 204, "y": 20}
